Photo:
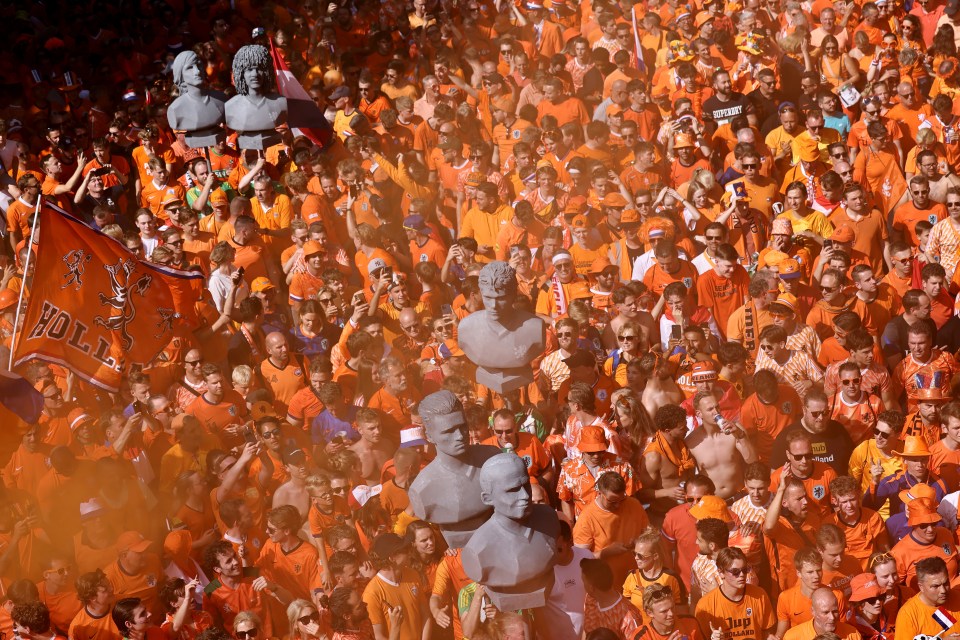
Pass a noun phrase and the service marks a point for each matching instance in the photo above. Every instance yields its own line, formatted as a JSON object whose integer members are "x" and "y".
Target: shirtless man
{"x": 666, "y": 462}
{"x": 929, "y": 168}
{"x": 628, "y": 308}
{"x": 659, "y": 389}
{"x": 372, "y": 448}
{"x": 294, "y": 491}
{"x": 720, "y": 450}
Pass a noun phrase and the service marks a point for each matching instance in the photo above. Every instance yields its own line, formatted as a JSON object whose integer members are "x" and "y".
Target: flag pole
{"x": 23, "y": 281}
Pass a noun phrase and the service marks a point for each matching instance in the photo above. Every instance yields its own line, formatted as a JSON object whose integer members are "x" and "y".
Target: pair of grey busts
{"x": 481, "y": 500}
{"x": 254, "y": 113}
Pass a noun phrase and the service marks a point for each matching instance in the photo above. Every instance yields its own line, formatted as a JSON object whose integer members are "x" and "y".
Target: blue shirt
{"x": 327, "y": 426}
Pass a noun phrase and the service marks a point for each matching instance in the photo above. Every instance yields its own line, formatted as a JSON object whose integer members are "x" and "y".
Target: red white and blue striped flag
{"x": 943, "y": 618}
{"x": 303, "y": 114}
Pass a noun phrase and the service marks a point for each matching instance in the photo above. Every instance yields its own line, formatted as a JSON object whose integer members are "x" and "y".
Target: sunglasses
{"x": 252, "y": 633}
{"x": 873, "y": 600}
{"x": 625, "y": 337}
{"x": 828, "y": 289}
{"x": 853, "y": 382}
{"x": 880, "y": 433}
{"x": 817, "y": 414}
{"x": 736, "y": 573}
{"x": 953, "y": 205}
{"x": 750, "y": 166}
{"x": 877, "y": 560}
{"x": 800, "y": 457}
{"x": 313, "y": 617}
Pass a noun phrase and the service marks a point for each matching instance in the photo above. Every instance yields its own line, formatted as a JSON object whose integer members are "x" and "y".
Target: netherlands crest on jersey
{"x": 688, "y": 282}
{"x": 932, "y": 218}
{"x": 515, "y": 134}
{"x": 749, "y": 612}
{"x": 947, "y": 549}
{"x": 819, "y": 492}
{"x": 602, "y": 395}
{"x": 786, "y": 407}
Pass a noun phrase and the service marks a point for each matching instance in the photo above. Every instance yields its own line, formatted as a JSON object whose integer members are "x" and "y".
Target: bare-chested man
{"x": 659, "y": 388}
{"x": 372, "y": 448}
{"x": 294, "y": 491}
{"x": 666, "y": 462}
{"x": 627, "y": 301}
{"x": 929, "y": 167}
{"x": 721, "y": 450}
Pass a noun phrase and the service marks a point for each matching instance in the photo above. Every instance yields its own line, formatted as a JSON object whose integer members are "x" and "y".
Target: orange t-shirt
{"x": 87, "y": 627}
{"x": 748, "y": 619}
{"x": 143, "y": 585}
{"x": 766, "y": 421}
{"x": 63, "y": 606}
{"x": 285, "y": 382}
{"x": 215, "y": 418}
{"x": 530, "y": 450}
{"x": 864, "y": 536}
{"x": 297, "y": 570}
{"x": 909, "y": 551}
{"x": 723, "y": 296}
{"x": 657, "y": 279}
{"x": 597, "y": 528}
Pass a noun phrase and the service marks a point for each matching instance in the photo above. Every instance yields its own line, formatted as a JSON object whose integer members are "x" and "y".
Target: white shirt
{"x": 564, "y": 610}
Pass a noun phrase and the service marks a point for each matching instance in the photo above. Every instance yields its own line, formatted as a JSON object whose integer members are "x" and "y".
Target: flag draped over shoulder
{"x": 94, "y": 306}
{"x": 303, "y": 114}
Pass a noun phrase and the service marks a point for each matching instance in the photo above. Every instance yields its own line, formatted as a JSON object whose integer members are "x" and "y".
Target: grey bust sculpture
{"x": 447, "y": 491}
{"x": 198, "y": 111}
{"x": 257, "y": 110}
{"x": 513, "y": 553}
{"x": 501, "y": 340}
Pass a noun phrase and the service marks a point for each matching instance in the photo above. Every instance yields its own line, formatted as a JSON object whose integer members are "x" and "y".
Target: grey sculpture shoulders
{"x": 197, "y": 113}
{"x": 490, "y": 343}
{"x": 486, "y": 559}
{"x": 445, "y": 497}
{"x": 248, "y": 114}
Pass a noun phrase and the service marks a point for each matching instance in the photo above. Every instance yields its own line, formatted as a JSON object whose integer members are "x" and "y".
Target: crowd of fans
{"x": 739, "y": 220}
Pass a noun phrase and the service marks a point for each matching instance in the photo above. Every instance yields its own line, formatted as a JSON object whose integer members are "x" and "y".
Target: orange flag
{"x": 94, "y": 306}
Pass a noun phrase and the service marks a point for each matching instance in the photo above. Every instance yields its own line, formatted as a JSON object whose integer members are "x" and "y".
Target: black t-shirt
{"x": 832, "y": 447}
{"x": 723, "y": 112}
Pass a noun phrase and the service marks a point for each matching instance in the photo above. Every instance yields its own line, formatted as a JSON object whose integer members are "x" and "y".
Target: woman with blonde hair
{"x": 634, "y": 425}
{"x": 305, "y": 621}
{"x": 651, "y": 570}
{"x": 248, "y": 626}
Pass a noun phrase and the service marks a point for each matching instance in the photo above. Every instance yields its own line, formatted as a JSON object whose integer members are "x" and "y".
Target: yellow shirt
{"x": 814, "y": 221}
{"x": 409, "y": 593}
{"x": 863, "y": 458}
{"x": 484, "y": 227}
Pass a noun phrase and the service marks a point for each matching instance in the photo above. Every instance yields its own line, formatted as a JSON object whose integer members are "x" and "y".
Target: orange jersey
{"x": 143, "y": 585}
{"x": 750, "y": 618}
{"x": 909, "y": 550}
{"x": 866, "y": 535}
{"x": 296, "y": 570}
{"x": 722, "y": 296}
{"x": 88, "y": 627}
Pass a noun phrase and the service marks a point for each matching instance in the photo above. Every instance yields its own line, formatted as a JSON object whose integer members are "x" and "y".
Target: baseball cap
{"x": 503, "y": 103}
{"x": 600, "y": 265}
{"x": 919, "y": 490}
{"x": 262, "y": 409}
{"x": 375, "y": 264}
{"x": 413, "y": 437}
{"x": 614, "y": 110}
{"x": 784, "y": 305}
{"x": 261, "y": 284}
{"x": 77, "y": 417}
{"x": 863, "y": 587}
{"x": 790, "y": 269}
{"x": 629, "y": 216}
{"x": 614, "y": 199}
{"x": 294, "y": 455}
{"x": 711, "y": 507}
{"x": 311, "y": 247}
{"x": 90, "y": 509}
{"x": 415, "y": 223}
{"x": 843, "y": 233}
{"x": 340, "y": 92}
{"x": 579, "y": 221}
{"x": 170, "y": 201}
{"x": 132, "y": 541}
{"x": 592, "y": 439}
{"x": 217, "y": 197}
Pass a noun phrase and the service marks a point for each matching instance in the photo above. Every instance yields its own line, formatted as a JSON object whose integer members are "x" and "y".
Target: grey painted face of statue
{"x": 193, "y": 74}
{"x": 251, "y": 76}
{"x": 451, "y": 440}
{"x": 510, "y": 495}
{"x": 497, "y": 303}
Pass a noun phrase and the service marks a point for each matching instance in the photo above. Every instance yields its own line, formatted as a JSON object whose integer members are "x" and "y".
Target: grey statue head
{"x": 498, "y": 287}
{"x": 183, "y": 60}
{"x": 445, "y": 422}
{"x": 251, "y": 56}
{"x": 505, "y": 486}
